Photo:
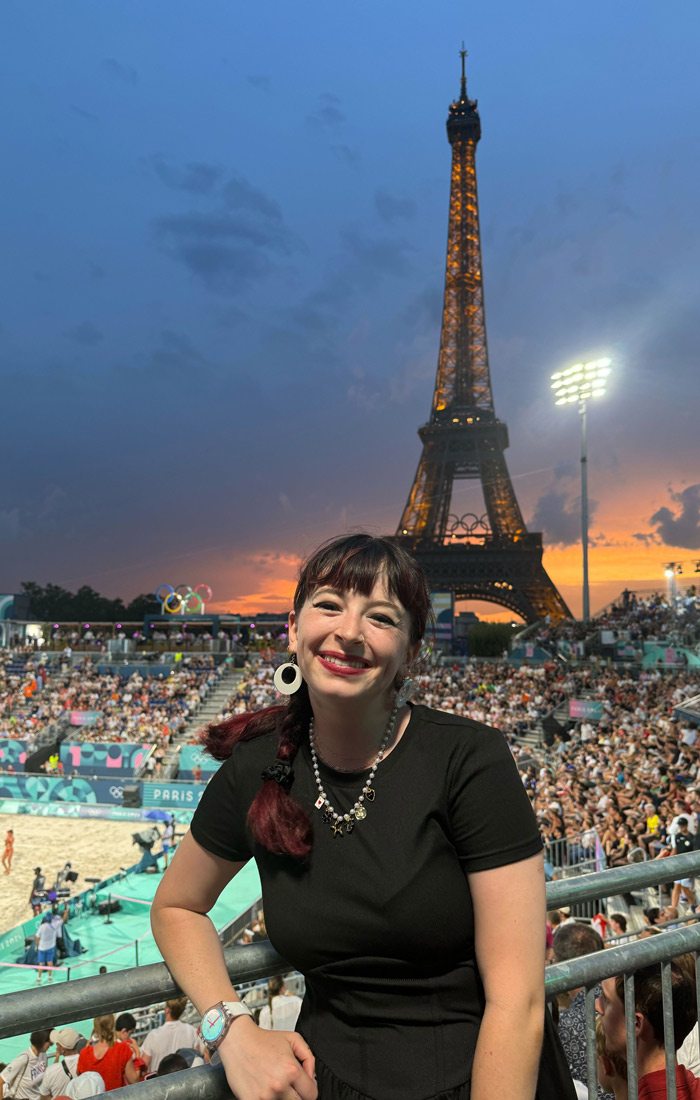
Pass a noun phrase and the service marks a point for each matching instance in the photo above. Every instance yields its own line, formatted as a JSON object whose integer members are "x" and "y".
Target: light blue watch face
{"x": 212, "y": 1025}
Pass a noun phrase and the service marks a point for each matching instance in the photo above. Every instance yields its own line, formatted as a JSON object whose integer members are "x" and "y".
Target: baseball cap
{"x": 87, "y": 1084}
{"x": 68, "y": 1037}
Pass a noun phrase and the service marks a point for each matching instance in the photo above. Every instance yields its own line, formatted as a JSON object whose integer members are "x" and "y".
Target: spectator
{"x": 282, "y": 1009}
{"x": 172, "y": 1063}
{"x": 683, "y": 842}
{"x": 618, "y": 929}
{"x": 172, "y": 1034}
{"x": 88, "y": 1084}
{"x": 45, "y": 940}
{"x": 649, "y": 1031}
{"x": 21, "y": 1077}
{"x": 572, "y": 941}
{"x": 69, "y": 1043}
{"x": 114, "y": 1061}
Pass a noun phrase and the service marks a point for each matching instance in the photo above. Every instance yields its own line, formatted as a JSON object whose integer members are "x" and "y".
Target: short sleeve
{"x": 219, "y": 822}
{"x": 491, "y": 818}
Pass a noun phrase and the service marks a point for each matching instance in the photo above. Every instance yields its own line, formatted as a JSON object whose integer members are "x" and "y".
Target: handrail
{"x": 46, "y": 1007}
{"x": 620, "y": 880}
{"x": 145, "y": 985}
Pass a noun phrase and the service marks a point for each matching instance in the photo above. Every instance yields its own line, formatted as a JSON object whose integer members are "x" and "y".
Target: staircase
{"x": 207, "y": 712}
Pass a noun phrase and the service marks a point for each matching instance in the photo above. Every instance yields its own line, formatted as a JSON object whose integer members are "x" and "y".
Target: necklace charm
{"x": 341, "y": 823}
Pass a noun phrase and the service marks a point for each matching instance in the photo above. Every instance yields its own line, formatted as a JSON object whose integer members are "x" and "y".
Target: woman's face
{"x": 349, "y": 645}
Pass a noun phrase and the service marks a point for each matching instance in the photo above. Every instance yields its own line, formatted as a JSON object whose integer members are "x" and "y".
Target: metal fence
{"x": 51, "y": 1007}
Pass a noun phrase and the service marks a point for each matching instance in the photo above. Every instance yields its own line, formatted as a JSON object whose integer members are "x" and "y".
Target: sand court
{"x": 96, "y": 848}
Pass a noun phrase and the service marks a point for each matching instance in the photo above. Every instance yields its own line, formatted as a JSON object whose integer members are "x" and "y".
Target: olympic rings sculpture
{"x": 181, "y": 599}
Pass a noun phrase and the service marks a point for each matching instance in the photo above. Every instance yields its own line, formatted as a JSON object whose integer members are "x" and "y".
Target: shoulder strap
{"x": 17, "y": 1075}
{"x": 67, "y": 1072}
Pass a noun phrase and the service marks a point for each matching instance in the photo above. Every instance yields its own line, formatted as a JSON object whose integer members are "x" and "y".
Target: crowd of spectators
{"x": 137, "y": 709}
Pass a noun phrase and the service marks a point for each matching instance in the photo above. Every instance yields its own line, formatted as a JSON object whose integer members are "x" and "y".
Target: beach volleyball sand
{"x": 95, "y": 848}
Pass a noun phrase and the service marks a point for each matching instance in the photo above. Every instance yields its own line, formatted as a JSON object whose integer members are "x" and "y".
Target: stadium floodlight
{"x": 578, "y": 384}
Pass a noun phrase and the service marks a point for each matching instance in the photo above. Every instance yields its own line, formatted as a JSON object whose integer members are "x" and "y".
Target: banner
{"x": 98, "y": 757}
{"x": 443, "y": 609}
{"x": 176, "y": 795}
{"x": 85, "y": 717}
{"x": 192, "y": 756}
{"x": 13, "y": 752}
{"x": 589, "y": 709}
{"x": 37, "y": 788}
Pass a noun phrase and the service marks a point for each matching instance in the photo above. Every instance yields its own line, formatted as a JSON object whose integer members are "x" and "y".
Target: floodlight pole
{"x": 584, "y": 508}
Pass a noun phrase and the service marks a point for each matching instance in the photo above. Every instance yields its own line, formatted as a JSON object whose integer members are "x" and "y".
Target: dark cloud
{"x": 559, "y": 518}
{"x": 683, "y": 528}
{"x": 83, "y": 113}
{"x": 347, "y": 154}
{"x": 328, "y": 114}
{"x": 125, "y": 74}
{"x": 196, "y": 178}
{"x": 224, "y": 251}
{"x": 646, "y": 538}
{"x": 86, "y": 334}
{"x": 423, "y": 311}
{"x": 383, "y": 255}
{"x": 239, "y": 194}
{"x": 177, "y": 356}
{"x": 259, "y": 81}
{"x": 392, "y": 208}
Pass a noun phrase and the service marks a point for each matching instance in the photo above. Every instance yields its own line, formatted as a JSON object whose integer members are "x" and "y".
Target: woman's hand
{"x": 267, "y": 1065}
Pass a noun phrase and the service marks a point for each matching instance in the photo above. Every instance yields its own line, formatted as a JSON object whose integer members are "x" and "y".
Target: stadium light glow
{"x": 581, "y": 381}
{"x": 578, "y": 384}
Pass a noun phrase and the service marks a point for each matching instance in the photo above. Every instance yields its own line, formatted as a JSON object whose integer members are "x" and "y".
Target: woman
{"x": 113, "y": 1060}
{"x": 400, "y": 861}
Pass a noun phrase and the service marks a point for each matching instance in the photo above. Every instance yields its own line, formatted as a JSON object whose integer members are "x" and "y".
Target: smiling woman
{"x": 400, "y": 861}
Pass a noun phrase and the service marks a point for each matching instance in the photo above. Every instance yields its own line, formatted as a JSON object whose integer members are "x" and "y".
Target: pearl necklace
{"x": 340, "y": 823}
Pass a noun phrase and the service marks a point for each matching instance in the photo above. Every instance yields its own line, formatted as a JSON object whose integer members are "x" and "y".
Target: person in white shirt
{"x": 283, "y": 1009}
{"x": 68, "y": 1046}
{"x": 168, "y": 1038}
{"x": 21, "y": 1077}
{"x": 45, "y": 940}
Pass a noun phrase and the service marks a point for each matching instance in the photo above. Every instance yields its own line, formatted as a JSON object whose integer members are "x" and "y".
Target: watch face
{"x": 212, "y": 1025}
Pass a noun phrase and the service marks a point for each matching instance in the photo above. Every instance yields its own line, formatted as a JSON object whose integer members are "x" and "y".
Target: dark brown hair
{"x": 648, "y": 1000}
{"x": 349, "y": 563}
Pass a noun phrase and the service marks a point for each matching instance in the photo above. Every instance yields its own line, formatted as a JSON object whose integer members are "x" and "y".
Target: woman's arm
{"x": 131, "y": 1074}
{"x": 509, "y": 921}
{"x": 257, "y": 1063}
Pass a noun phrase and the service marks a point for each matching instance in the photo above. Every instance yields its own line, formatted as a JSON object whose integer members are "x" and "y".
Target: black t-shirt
{"x": 684, "y": 842}
{"x": 380, "y": 921}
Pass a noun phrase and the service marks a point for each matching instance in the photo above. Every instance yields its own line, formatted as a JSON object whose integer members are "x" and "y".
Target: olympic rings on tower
{"x": 182, "y": 599}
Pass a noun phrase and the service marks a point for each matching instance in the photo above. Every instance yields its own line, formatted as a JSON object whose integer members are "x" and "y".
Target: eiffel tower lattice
{"x": 490, "y": 557}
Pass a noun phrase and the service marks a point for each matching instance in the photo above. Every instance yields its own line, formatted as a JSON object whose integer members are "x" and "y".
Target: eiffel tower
{"x": 490, "y": 557}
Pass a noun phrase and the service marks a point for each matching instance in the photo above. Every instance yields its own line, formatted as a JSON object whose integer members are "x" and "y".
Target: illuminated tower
{"x": 490, "y": 557}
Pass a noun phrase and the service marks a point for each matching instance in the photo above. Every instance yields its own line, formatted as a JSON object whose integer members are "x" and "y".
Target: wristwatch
{"x": 217, "y": 1020}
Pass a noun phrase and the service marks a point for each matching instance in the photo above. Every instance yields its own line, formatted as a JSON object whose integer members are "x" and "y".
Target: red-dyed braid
{"x": 276, "y": 820}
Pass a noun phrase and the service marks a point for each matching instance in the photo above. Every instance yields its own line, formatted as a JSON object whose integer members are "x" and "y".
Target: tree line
{"x": 52, "y": 602}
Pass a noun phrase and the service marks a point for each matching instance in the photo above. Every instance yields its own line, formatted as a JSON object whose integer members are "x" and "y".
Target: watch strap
{"x": 230, "y": 1010}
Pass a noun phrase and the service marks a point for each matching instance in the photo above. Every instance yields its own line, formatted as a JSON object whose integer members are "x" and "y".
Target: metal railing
{"x": 46, "y": 1007}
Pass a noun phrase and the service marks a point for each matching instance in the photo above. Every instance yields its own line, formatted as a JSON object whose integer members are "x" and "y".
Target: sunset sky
{"x": 223, "y": 234}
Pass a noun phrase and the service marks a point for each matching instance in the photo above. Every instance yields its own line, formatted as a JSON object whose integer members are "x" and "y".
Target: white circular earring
{"x": 287, "y": 678}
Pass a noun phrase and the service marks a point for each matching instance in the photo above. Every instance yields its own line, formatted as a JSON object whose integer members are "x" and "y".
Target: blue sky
{"x": 223, "y": 247}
